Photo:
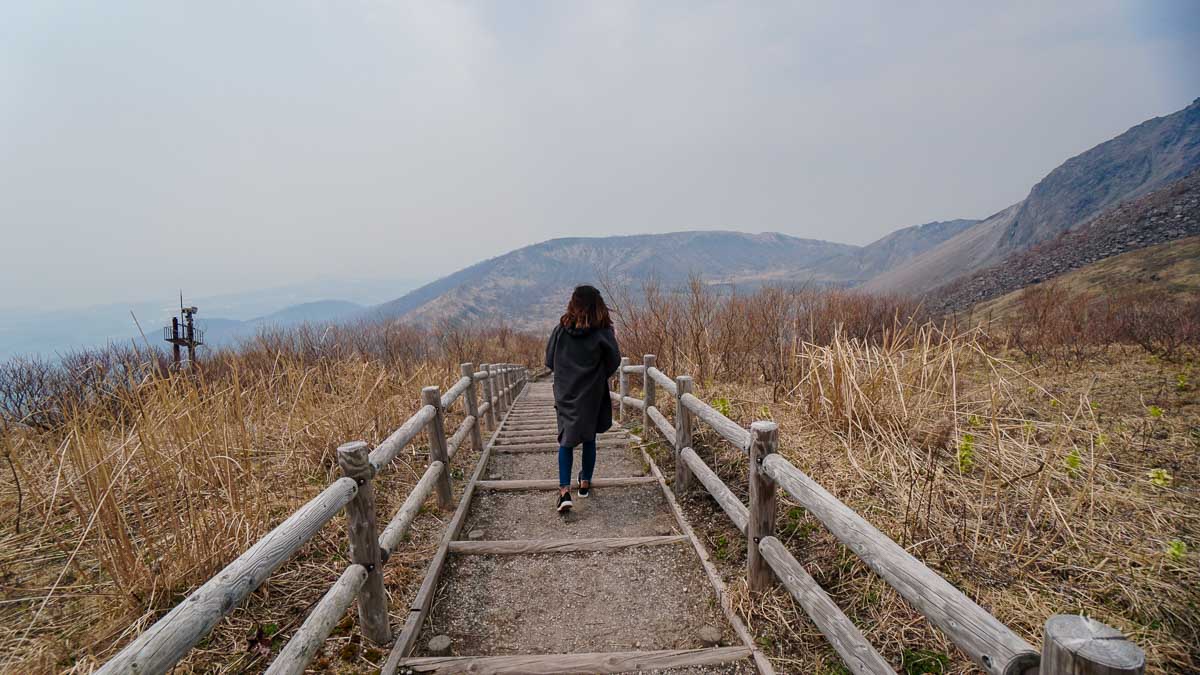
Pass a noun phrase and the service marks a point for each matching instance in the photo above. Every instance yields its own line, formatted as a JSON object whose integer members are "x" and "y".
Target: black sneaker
{"x": 585, "y": 491}
{"x": 564, "y": 502}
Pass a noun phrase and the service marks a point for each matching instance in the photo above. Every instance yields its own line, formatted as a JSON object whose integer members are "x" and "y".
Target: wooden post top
{"x": 432, "y": 396}
{"x": 763, "y": 427}
{"x": 354, "y": 460}
{"x": 468, "y": 369}
{"x": 1080, "y": 644}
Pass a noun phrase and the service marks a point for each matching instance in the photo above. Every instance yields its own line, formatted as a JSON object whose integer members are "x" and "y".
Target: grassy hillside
{"x": 1171, "y": 270}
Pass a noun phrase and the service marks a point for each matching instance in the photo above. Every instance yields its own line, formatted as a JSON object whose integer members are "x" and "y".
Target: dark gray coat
{"x": 582, "y": 361}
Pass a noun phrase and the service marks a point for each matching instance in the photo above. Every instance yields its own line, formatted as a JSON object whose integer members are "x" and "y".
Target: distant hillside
{"x": 1165, "y": 215}
{"x": 897, "y": 248}
{"x": 1171, "y": 269}
{"x": 534, "y": 282}
{"x": 1149, "y": 156}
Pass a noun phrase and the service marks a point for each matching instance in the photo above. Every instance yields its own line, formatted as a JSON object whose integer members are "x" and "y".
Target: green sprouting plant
{"x": 1155, "y": 411}
{"x": 1177, "y": 550}
{"x": 764, "y": 413}
{"x": 966, "y": 453}
{"x": 1072, "y": 462}
{"x": 833, "y": 669}
{"x": 974, "y": 421}
{"x": 722, "y": 405}
{"x": 1181, "y": 382}
{"x": 722, "y": 548}
{"x": 1160, "y": 477}
{"x": 923, "y": 662}
{"x": 1102, "y": 439}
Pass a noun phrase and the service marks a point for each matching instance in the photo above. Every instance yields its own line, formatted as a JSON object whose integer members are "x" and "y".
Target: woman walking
{"x": 583, "y": 354}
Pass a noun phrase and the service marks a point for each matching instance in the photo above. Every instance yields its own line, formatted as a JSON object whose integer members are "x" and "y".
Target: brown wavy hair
{"x": 586, "y": 310}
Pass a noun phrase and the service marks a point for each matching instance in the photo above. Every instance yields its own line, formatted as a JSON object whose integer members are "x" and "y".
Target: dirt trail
{"x": 641, "y": 598}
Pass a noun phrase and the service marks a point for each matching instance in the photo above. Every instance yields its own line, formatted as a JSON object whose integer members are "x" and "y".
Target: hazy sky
{"x": 225, "y": 146}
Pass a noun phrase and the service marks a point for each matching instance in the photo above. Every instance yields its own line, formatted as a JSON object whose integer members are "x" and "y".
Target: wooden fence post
{"x": 493, "y": 391}
{"x": 489, "y": 417}
{"x": 437, "y": 446}
{"x": 622, "y": 388}
{"x": 505, "y": 380}
{"x": 683, "y": 433}
{"x": 468, "y": 370}
{"x": 1078, "y": 645}
{"x": 647, "y": 394}
{"x": 364, "y": 541}
{"x": 764, "y": 439}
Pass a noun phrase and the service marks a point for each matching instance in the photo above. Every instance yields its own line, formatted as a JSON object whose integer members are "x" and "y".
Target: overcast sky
{"x": 228, "y": 146}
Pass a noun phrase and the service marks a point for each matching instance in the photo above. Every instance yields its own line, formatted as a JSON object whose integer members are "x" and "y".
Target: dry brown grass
{"x": 1031, "y": 488}
{"x": 137, "y": 497}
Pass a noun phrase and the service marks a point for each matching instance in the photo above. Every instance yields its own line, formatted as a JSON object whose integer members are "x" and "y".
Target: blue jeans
{"x": 566, "y": 457}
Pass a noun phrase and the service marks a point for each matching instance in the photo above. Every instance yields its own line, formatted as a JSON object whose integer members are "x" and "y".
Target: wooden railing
{"x": 162, "y": 645}
{"x": 1071, "y": 644}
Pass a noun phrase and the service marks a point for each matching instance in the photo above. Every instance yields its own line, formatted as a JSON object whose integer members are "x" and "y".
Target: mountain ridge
{"x": 1147, "y": 156}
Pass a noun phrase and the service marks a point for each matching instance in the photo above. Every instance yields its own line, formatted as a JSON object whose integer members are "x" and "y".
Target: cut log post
{"x": 468, "y": 369}
{"x": 494, "y": 412}
{"x": 485, "y": 388}
{"x": 508, "y": 397}
{"x": 683, "y": 434}
{"x": 764, "y": 439}
{"x": 437, "y": 446}
{"x": 1077, "y": 645}
{"x": 622, "y": 388}
{"x": 647, "y": 394}
{"x": 353, "y": 458}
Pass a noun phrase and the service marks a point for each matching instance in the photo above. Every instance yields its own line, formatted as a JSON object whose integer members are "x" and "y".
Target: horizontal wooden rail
{"x": 856, "y": 652}
{"x": 635, "y": 402}
{"x": 303, "y": 646}
{"x": 386, "y": 451}
{"x": 730, "y": 504}
{"x": 660, "y": 378}
{"x": 407, "y": 513}
{"x": 979, "y": 634}
{"x": 599, "y": 662}
{"x": 455, "y": 391}
{"x": 460, "y": 435}
{"x": 171, "y": 637}
{"x": 636, "y": 370}
{"x": 664, "y": 426}
{"x": 725, "y": 427}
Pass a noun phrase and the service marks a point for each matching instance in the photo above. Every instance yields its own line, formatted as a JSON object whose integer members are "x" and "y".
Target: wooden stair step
{"x": 552, "y": 446}
{"x": 523, "y": 546}
{"x": 595, "y": 662}
{"x": 637, "y": 510}
{"x": 552, "y": 484}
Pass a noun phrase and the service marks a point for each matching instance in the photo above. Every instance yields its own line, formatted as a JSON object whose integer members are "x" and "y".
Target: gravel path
{"x": 610, "y": 463}
{"x": 628, "y": 511}
{"x": 575, "y": 602}
{"x": 635, "y": 599}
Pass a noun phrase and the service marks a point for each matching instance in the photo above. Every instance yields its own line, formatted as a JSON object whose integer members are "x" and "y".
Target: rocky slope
{"x": 1165, "y": 215}
{"x": 1147, "y": 157}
